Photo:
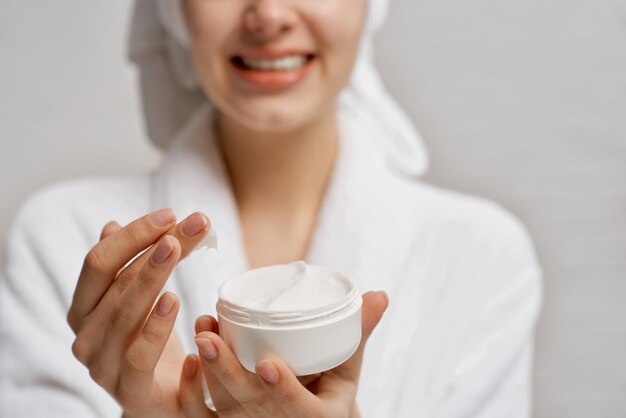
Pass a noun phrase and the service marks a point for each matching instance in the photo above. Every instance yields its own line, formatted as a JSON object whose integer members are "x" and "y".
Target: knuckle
{"x": 119, "y": 317}
{"x": 93, "y": 261}
{"x": 98, "y": 373}
{"x": 95, "y": 374}
{"x": 123, "y": 280}
{"x": 80, "y": 350}
{"x": 133, "y": 235}
{"x": 154, "y": 333}
{"x": 137, "y": 364}
{"x": 145, "y": 279}
{"x": 153, "y": 267}
{"x": 104, "y": 232}
{"x": 71, "y": 320}
{"x": 253, "y": 402}
{"x": 225, "y": 374}
{"x": 289, "y": 396}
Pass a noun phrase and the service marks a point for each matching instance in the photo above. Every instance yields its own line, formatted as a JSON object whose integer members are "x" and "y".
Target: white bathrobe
{"x": 461, "y": 274}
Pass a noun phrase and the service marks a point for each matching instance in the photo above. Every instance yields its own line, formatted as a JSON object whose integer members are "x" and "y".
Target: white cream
{"x": 290, "y": 287}
{"x": 288, "y": 293}
{"x": 208, "y": 242}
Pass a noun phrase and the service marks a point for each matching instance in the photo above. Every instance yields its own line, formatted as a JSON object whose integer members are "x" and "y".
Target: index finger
{"x": 280, "y": 382}
{"x": 106, "y": 258}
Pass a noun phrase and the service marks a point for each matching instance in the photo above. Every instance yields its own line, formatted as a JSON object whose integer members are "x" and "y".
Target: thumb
{"x": 374, "y": 305}
{"x": 373, "y": 308}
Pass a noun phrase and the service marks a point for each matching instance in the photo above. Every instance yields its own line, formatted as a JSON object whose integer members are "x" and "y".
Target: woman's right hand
{"x": 122, "y": 337}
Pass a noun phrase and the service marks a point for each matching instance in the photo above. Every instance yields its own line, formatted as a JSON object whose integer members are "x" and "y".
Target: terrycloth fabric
{"x": 157, "y": 44}
{"x": 456, "y": 341}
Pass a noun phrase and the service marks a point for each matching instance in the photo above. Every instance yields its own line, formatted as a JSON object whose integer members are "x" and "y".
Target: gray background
{"x": 520, "y": 101}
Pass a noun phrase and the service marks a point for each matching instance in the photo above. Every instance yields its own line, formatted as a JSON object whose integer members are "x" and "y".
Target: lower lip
{"x": 274, "y": 80}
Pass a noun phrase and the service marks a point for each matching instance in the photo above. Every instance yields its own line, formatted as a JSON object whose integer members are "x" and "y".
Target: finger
{"x": 135, "y": 303}
{"x": 344, "y": 378}
{"x": 233, "y": 389}
{"x": 109, "y": 229}
{"x": 107, "y": 257}
{"x": 190, "y": 390}
{"x": 189, "y": 233}
{"x": 195, "y": 223}
{"x": 284, "y": 387}
{"x": 222, "y": 400}
{"x": 137, "y": 375}
{"x": 375, "y": 305}
{"x": 207, "y": 323}
{"x": 122, "y": 322}
{"x": 373, "y": 308}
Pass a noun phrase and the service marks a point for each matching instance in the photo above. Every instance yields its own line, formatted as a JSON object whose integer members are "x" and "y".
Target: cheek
{"x": 338, "y": 28}
{"x": 211, "y": 25}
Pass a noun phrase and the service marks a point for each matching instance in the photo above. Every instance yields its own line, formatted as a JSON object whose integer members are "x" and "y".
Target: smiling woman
{"x": 282, "y": 139}
{"x": 238, "y": 52}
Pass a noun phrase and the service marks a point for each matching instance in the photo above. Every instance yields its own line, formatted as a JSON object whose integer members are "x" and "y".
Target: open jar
{"x": 309, "y": 316}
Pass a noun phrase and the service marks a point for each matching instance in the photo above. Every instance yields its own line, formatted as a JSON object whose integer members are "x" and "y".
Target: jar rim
{"x": 243, "y": 314}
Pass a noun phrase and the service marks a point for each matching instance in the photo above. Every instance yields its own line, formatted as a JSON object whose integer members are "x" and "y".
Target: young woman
{"x": 281, "y": 139}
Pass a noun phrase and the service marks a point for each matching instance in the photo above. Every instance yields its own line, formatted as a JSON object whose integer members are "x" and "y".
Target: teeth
{"x": 287, "y": 63}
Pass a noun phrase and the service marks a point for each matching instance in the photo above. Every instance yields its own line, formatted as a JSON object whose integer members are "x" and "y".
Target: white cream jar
{"x": 309, "y": 316}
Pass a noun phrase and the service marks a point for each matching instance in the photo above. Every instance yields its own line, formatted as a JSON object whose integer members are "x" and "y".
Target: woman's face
{"x": 274, "y": 65}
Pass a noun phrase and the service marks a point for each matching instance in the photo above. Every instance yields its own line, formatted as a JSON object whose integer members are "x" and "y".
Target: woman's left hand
{"x": 274, "y": 391}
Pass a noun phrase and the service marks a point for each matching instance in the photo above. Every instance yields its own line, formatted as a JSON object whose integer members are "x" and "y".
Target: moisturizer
{"x": 310, "y": 316}
{"x": 209, "y": 241}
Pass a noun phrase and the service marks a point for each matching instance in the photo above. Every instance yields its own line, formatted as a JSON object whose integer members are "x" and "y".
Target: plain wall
{"x": 523, "y": 102}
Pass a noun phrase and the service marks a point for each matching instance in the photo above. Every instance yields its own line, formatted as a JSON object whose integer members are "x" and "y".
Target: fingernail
{"x": 163, "y": 251}
{"x": 207, "y": 348}
{"x": 191, "y": 366}
{"x": 194, "y": 223}
{"x": 205, "y": 324}
{"x": 162, "y": 217}
{"x": 166, "y": 303}
{"x": 268, "y": 372}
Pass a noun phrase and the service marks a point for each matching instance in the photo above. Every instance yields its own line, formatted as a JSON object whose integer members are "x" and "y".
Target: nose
{"x": 267, "y": 19}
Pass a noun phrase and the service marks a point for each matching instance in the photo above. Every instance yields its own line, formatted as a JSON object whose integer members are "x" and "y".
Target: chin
{"x": 275, "y": 117}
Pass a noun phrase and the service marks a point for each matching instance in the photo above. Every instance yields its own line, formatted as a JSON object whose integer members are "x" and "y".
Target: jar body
{"x": 308, "y": 348}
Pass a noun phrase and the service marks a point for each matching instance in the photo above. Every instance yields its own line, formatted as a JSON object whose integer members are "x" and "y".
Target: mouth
{"x": 290, "y": 62}
{"x": 272, "y": 72}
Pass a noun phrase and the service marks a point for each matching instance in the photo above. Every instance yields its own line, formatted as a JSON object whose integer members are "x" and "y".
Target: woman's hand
{"x": 274, "y": 391}
{"x": 121, "y": 336}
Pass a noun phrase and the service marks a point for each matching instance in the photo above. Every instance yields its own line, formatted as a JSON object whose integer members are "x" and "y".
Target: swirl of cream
{"x": 285, "y": 293}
